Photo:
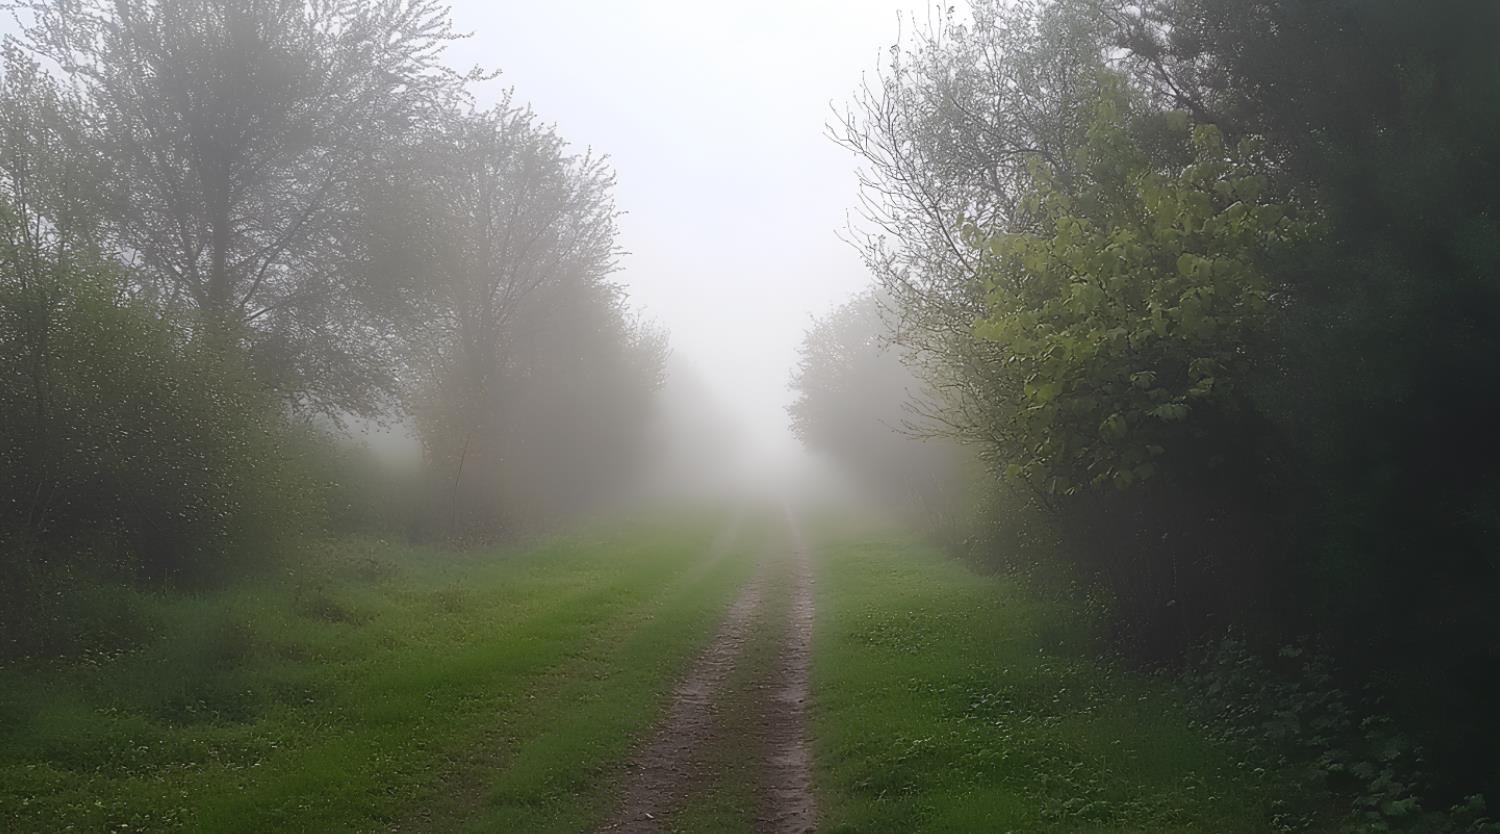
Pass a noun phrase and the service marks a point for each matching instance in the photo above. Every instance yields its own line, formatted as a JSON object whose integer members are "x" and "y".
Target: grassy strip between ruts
{"x": 490, "y": 690}
{"x": 949, "y": 701}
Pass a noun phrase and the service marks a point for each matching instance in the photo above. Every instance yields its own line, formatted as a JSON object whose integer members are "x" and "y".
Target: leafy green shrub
{"x": 66, "y": 612}
{"x": 131, "y": 448}
{"x": 372, "y": 496}
{"x": 128, "y": 435}
{"x": 1293, "y": 723}
{"x": 1129, "y": 305}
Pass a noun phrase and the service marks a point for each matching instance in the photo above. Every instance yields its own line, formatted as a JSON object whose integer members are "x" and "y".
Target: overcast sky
{"x": 713, "y": 114}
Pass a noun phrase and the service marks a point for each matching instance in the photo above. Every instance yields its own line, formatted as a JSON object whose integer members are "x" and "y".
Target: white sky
{"x": 713, "y": 115}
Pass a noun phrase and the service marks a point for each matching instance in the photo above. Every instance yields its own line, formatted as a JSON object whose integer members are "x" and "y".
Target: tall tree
{"x": 238, "y": 133}
{"x": 127, "y": 444}
{"x": 518, "y": 243}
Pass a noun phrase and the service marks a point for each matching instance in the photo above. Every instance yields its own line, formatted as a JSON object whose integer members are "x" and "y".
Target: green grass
{"x": 948, "y": 701}
{"x": 390, "y": 686}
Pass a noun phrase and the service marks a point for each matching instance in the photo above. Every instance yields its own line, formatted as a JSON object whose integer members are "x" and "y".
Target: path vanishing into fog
{"x": 676, "y": 761}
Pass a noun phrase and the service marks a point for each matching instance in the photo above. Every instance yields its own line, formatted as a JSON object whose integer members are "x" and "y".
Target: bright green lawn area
{"x": 384, "y": 686}
{"x": 949, "y": 701}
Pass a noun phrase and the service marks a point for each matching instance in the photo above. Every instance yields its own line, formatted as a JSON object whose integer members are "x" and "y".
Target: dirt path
{"x": 788, "y": 806}
{"x": 468, "y": 775}
{"x": 670, "y": 765}
{"x": 673, "y": 765}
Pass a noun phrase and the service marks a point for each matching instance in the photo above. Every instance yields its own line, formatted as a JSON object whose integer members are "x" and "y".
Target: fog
{"x": 391, "y": 389}
{"x": 734, "y": 201}
{"x": 714, "y": 117}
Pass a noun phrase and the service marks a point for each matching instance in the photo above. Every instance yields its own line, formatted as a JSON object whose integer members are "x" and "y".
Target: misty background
{"x": 713, "y": 115}
{"x": 1172, "y": 320}
{"x": 736, "y": 206}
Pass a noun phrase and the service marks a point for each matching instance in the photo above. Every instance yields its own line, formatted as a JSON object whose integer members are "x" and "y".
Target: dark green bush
{"x": 1293, "y": 723}
{"x": 131, "y": 447}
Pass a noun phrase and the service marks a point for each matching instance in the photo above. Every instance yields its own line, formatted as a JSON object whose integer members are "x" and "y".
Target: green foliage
{"x": 1132, "y": 303}
{"x": 129, "y": 442}
{"x": 220, "y": 225}
{"x": 1238, "y": 258}
{"x": 233, "y": 145}
{"x": 1297, "y": 728}
{"x": 1384, "y": 396}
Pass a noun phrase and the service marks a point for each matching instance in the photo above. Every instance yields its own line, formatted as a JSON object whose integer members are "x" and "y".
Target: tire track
{"x": 469, "y": 772}
{"x": 788, "y": 804}
{"x": 676, "y": 762}
{"x": 666, "y": 770}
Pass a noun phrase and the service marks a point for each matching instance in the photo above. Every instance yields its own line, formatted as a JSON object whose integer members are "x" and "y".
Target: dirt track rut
{"x": 672, "y": 764}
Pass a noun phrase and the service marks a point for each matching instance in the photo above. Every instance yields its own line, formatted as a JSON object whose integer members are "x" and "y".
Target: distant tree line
{"x": 1214, "y": 287}
{"x": 861, "y": 405}
{"x": 226, "y": 227}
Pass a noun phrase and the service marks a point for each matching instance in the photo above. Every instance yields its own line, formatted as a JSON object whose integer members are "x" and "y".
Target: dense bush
{"x": 130, "y": 439}
{"x": 129, "y": 452}
{"x": 1324, "y": 748}
{"x": 1215, "y": 281}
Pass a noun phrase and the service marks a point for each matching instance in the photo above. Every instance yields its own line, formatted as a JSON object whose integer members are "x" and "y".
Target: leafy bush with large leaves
{"x": 1131, "y": 303}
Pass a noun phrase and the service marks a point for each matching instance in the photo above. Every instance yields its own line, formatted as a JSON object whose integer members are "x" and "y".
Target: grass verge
{"x": 949, "y": 701}
{"x": 388, "y": 687}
